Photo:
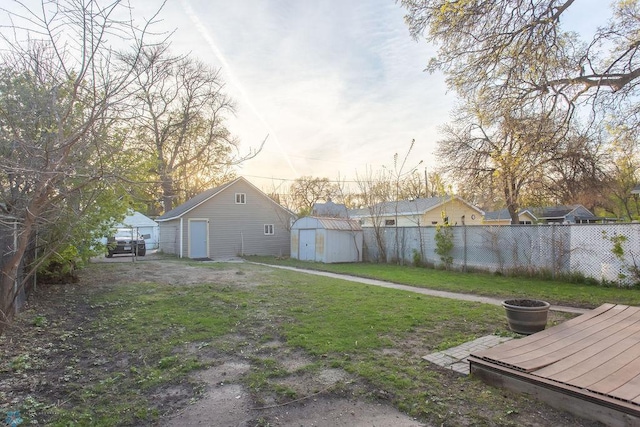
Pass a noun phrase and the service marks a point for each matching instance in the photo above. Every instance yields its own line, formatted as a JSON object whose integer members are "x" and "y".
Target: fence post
{"x": 553, "y": 251}
{"x": 464, "y": 244}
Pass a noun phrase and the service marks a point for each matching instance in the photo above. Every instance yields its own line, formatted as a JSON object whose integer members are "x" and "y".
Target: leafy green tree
{"x": 63, "y": 88}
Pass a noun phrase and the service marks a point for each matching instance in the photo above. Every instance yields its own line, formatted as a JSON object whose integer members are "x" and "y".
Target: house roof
{"x": 503, "y": 214}
{"x": 330, "y": 209}
{"x": 561, "y": 212}
{"x": 549, "y": 213}
{"x": 409, "y": 207}
{"x": 497, "y": 215}
{"x": 203, "y": 197}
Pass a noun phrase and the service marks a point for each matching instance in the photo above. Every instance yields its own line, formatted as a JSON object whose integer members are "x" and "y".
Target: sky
{"x": 335, "y": 86}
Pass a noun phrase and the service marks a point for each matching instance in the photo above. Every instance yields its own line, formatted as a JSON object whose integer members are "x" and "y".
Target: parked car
{"x": 123, "y": 242}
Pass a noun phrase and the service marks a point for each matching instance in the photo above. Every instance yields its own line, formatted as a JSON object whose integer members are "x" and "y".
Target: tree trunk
{"x": 168, "y": 192}
{"x": 9, "y": 275}
{"x": 513, "y": 213}
{"x": 7, "y": 291}
{"x": 511, "y": 199}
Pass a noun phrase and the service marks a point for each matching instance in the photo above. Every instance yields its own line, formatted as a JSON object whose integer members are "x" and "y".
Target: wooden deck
{"x": 589, "y": 365}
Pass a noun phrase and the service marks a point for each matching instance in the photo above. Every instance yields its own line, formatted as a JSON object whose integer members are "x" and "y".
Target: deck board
{"x": 549, "y": 336}
{"x": 595, "y": 355}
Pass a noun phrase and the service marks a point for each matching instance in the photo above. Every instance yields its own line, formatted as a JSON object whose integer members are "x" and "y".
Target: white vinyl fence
{"x": 554, "y": 249}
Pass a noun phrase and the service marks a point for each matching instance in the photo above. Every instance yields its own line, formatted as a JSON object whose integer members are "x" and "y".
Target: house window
{"x": 241, "y": 198}
{"x": 388, "y": 222}
{"x": 268, "y": 229}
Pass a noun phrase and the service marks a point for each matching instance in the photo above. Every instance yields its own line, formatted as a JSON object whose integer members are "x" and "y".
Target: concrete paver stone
{"x": 456, "y": 358}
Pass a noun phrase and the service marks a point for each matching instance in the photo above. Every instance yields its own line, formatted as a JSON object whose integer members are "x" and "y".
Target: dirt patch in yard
{"x": 35, "y": 373}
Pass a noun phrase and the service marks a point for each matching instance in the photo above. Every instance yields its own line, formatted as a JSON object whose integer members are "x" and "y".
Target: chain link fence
{"x": 556, "y": 250}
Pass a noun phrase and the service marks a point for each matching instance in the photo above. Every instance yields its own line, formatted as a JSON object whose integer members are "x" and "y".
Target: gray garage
{"x": 326, "y": 240}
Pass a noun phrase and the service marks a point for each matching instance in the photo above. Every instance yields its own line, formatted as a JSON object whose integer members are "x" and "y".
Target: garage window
{"x": 389, "y": 222}
{"x": 241, "y": 198}
{"x": 268, "y": 229}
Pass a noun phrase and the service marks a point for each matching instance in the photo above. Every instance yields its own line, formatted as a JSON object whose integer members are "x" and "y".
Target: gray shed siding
{"x": 336, "y": 240}
{"x": 235, "y": 229}
{"x": 343, "y": 246}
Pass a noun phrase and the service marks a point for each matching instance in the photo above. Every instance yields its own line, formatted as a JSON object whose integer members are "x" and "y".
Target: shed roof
{"x": 342, "y": 224}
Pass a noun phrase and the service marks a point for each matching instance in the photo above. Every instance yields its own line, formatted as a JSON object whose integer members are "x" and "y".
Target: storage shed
{"x": 326, "y": 240}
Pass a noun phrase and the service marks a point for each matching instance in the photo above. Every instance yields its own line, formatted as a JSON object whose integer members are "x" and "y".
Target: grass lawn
{"x": 556, "y": 292}
{"x": 105, "y": 352}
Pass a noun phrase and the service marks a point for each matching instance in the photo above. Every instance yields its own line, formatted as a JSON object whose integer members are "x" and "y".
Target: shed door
{"x": 198, "y": 239}
{"x": 307, "y": 250}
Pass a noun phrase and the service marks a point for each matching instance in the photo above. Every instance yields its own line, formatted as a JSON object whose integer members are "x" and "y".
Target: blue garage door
{"x": 198, "y": 240}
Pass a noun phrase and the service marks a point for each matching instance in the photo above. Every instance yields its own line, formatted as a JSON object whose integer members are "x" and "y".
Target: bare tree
{"x": 64, "y": 88}
{"x": 180, "y": 124}
{"x": 513, "y": 152}
{"x": 579, "y": 176}
{"x": 519, "y": 51}
{"x": 401, "y": 174}
{"x": 623, "y": 175}
{"x": 307, "y": 191}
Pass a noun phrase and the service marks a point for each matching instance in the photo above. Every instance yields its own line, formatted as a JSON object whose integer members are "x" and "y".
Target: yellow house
{"x": 429, "y": 211}
{"x": 502, "y": 217}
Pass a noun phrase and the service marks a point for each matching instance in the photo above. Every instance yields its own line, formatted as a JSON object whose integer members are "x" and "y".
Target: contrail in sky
{"x": 205, "y": 34}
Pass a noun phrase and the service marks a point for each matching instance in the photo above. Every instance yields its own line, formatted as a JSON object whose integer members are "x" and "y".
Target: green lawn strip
{"x": 339, "y": 316}
{"x": 556, "y": 292}
{"x": 141, "y": 329}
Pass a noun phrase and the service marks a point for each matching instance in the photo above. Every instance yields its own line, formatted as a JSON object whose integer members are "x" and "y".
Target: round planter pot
{"x": 526, "y": 316}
